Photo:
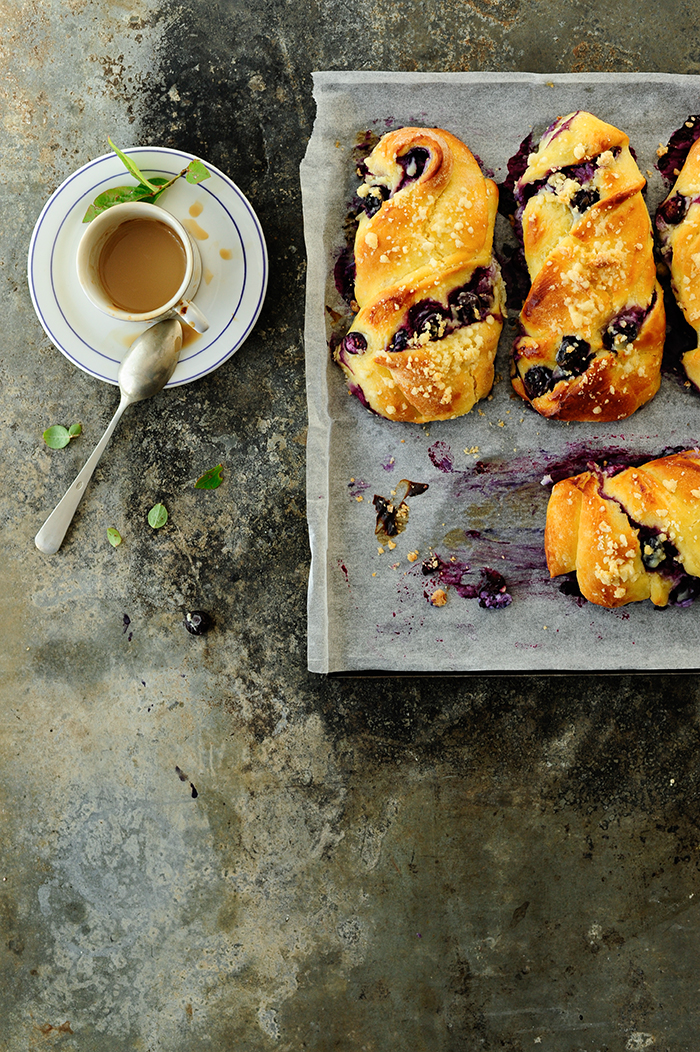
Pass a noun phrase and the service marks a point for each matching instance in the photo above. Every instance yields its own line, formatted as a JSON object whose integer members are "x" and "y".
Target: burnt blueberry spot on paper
{"x": 392, "y": 512}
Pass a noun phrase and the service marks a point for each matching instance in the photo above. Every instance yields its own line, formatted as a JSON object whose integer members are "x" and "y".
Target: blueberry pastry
{"x": 631, "y": 535}
{"x": 593, "y": 323}
{"x": 678, "y": 228}
{"x": 429, "y": 292}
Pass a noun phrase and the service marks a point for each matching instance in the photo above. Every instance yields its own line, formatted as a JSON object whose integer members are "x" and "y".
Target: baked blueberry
{"x": 428, "y": 316}
{"x": 573, "y": 357}
{"x": 537, "y": 381}
{"x": 354, "y": 343}
{"x": 468, "y": 307}
{"x": 399, "y": 341}
{"x": 374, "y": 200}
{"x": 673, "y": 209}
{"x": 655, "y": 549}
{"x": 584, "y": 198}
{"x": 413, "y": 164}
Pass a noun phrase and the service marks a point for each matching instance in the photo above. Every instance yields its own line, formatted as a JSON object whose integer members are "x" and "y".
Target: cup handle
{"x": 192, "y": 316}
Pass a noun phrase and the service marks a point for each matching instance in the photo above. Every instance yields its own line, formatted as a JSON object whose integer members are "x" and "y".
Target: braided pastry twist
{"x": 630, "y": 536}
{"x": 593, "y": 322}
{"x": 429, "y": 291}
{"x": 678, "y": 227}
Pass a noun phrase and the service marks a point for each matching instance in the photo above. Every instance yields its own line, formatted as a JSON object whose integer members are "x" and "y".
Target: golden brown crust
{"x": 681, "y": 249}
{"x": 424, "y": 355}
{"x": 593, "y": 323}
{"x": 630, "y": 536}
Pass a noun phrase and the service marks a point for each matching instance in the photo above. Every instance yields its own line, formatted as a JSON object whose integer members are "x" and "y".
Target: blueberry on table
{"x": 198, "y": 622}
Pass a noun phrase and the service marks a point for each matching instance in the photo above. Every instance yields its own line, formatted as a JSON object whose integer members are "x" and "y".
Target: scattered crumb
{"x": 439, "y": 597}
{"x": 412, "y": 556}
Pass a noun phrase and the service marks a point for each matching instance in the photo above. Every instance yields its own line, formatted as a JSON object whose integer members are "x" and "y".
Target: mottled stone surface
{"x": 203, "y": 846}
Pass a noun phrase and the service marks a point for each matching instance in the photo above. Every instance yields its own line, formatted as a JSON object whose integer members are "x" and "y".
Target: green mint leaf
{"x": 56, "y": 437}
{"x": 210, "y": 479}
{"x": 157, "y": 516}
{"x": 118, "y": 195}
{"x": 133, "y": 168}
{"x": 114, "y": 536}
{"x": 196, "y": 172}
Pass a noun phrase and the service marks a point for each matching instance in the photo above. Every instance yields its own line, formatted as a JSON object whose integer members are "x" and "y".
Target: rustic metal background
{"x": 203, "y": 846}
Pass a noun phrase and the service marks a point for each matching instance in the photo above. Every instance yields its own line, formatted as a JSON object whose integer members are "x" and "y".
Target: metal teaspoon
{"x": 146, "y": 369}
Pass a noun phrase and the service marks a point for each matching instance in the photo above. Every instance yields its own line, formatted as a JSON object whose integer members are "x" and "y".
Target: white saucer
{"x": 234, "y": 260}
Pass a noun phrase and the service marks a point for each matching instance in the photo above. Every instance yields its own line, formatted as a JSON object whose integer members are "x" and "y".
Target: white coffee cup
{"x": 96, "y": 237}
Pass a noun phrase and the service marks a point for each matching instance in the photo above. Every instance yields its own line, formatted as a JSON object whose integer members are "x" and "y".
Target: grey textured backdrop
{"x": 203, "y": 846}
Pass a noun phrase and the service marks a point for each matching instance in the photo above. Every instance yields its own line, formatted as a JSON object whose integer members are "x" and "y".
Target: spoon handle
{"x": 50, "y": 537}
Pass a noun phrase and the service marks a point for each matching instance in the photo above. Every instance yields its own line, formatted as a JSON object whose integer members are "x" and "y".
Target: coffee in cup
{"x": 136, "y": 262}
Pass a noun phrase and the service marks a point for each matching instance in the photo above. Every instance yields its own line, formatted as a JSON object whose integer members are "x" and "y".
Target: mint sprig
{"x": 157, "y": 516}
{"x": 211, "y": 479}
{"x": 57, "y": 437}
{"x": 146, "y": 189}
{"x": 114, "y": 536}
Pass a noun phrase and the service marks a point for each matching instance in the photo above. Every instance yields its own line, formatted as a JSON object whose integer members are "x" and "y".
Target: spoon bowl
{"x": 146, "y": 369}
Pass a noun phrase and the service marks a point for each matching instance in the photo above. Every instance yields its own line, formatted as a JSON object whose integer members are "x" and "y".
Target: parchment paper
{"x": 489, "y": 472}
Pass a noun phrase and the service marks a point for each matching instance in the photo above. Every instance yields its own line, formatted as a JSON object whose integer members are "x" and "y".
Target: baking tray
{"x": 489, "y": 473}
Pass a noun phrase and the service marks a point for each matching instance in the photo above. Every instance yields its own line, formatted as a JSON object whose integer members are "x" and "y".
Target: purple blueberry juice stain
{"x": 441, "y": 457}
{"x": 678, "y": 148}
{"x": 344, "y": 570}
{"x": 489, "y": 588}
{"x": 357, "y": 488}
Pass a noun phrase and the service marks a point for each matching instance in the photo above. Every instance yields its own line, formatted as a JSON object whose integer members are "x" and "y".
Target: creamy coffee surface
{"x": 142, "y": 265}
